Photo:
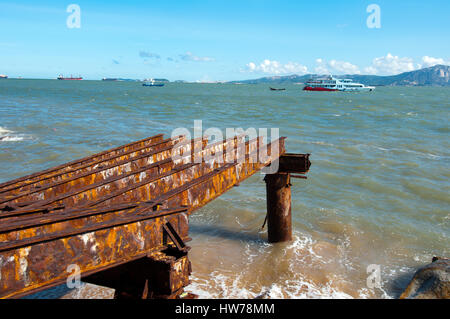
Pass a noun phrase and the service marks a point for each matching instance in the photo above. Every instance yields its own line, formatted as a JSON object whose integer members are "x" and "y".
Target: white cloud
{"x": 429, "y": 61}
{"x": 335, "y": 66}
{"x": 188, "y": 56}
{"x": 385, "y": 65}
{"x": 321, "y": 67}
{"x": 251, "y": 67}
{"x": 344, "y": 67}
{"x": 277, "y": 68}
{"x": 391, "y": 64}
{"x": 293, "y": 67}
{"x": 370, "y": 70}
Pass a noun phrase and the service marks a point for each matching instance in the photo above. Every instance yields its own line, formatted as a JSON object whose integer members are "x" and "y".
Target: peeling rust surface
{"x": 45, "y": 261}
{"x": 48, "y": 185}
{"x": 114, "y": 207}
{"x": 294, "y": 163}
{"x": 85, "y": 162}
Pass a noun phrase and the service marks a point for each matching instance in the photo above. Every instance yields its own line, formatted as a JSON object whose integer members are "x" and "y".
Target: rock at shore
{"x": 430, "y": 282}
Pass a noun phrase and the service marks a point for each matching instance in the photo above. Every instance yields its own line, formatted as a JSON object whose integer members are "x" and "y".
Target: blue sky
{"x": 220, "y": 40}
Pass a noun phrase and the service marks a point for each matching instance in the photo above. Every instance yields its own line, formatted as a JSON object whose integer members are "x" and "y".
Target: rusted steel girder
{"x": 81, "y": 163}
{"x": 165, "y": 190}
{"x": 180, "y": 185}
{"x": 92, "y": 172}
{"x": 294, "y": 163}
{"x": 36, "y": 254}
{"x": 135, "y": 180}
{"x": 123, "y": 167}
{"x": 160, "y": 275}
{"x": 99, "y": 221}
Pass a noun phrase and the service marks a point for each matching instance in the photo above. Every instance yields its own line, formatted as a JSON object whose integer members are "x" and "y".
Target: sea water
{"x": 377, "y": 192}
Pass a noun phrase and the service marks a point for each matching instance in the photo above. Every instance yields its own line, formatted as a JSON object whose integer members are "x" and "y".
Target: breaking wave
{"x": 307, "y": 275}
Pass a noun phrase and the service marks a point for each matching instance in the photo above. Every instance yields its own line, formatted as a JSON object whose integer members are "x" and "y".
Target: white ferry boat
{"x": 332, "y": 84}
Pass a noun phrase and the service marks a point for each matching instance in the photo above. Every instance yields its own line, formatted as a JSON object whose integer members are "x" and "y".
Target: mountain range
{"x": 438, "y": 75}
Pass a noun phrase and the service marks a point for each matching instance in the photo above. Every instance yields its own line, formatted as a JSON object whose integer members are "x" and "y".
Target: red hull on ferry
{"x": 309, "y": 88}
{"x": 330, "y": 84}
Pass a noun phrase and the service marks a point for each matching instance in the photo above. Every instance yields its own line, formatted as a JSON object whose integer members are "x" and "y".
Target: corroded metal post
{"x": 278, "y": 188}
{"x": 279, "y": 219}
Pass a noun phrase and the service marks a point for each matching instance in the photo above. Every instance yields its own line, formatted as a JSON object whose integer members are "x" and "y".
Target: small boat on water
{"x": 152, "y": 83}
{"x": 61, "y": 77}
{"x": 2, "y": 76}
{"x": 274, "y": 89}
{"x": 332, "y": 84}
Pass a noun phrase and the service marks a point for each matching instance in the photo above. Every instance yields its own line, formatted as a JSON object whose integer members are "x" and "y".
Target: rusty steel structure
{"x": 121, "y": 216}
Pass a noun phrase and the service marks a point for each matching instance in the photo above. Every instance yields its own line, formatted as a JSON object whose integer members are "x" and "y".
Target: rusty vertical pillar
{"x": 279, "y": 219}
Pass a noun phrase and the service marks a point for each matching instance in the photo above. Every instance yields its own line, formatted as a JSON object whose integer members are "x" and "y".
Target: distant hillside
{"x": 438, "y": 75}
{"x": 278, "y": 79}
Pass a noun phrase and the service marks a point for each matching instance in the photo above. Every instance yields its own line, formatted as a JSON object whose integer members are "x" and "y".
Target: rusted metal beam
{"x": 159, "y": 275}
{"x": 294, "y": 163}
{"x": 174, "y": 236}
{"x": 83, "y": 161}
{"x": 99, "y": 220}
{"x": 131, "y": 169}
{"x": 179, "y": 182}
{"x": 41, "y": 257}
{"x": 94, "y": 194}
{"x": 206, "y": 188}
{"x": 88, "y": 173}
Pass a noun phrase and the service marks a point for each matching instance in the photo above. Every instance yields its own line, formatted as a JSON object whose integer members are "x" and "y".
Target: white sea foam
{"x": 225, "y": 286}
{"x": 317, "y": 143}
{"x": 304, "y": 250}
{"x": 160, "y": 125}
{"x": 322, "y": 143}
{"x": 401, "y": 150}
{"x": 303, "y": 289}
{"x": 11, "y": 136}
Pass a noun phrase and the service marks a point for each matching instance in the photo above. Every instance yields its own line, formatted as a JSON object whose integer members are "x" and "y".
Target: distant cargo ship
{"x": 60, "y": 77}
{"x": 152, "y": 84}
{"x": 333, "y": 84}
{"x": 110, "y": 79}
{"x": 2, "y": 76}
